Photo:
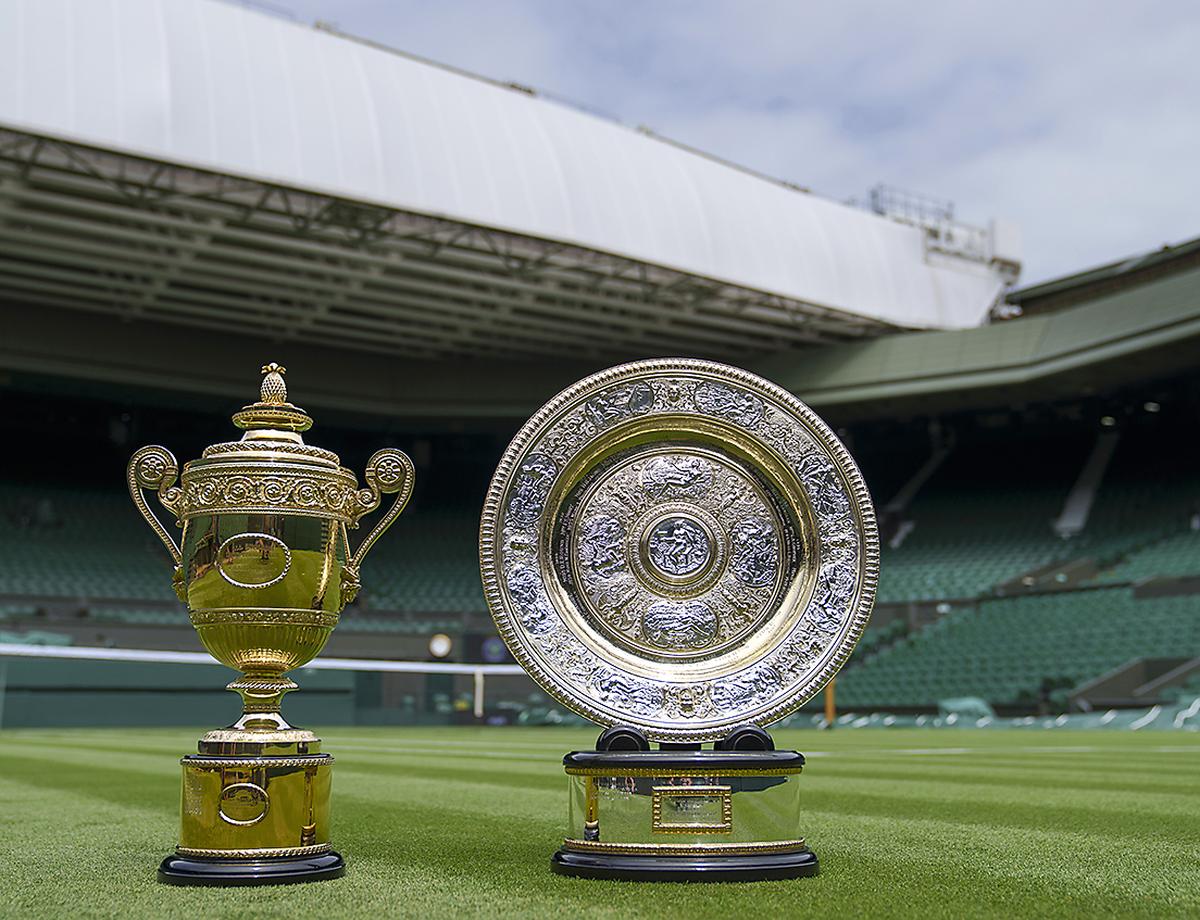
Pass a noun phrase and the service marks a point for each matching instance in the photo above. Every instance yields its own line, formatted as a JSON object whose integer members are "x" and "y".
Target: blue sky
{"x": 1078, "y": 121}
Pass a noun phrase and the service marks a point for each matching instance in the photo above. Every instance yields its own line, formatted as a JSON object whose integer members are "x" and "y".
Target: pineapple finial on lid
{"x": 272, "y": 412}
{"x": 273, "y": 391}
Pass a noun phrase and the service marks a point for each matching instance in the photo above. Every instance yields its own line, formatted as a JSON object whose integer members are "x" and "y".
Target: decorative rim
{"x": 246, "y": 484}
{"x": 266, "y": 761}
{"x": 263, "y": 616}
{"x": 681, "y": 772}
{"x": 214, "y": 451}
{"x": 315, "y": 849}
{"x": 685, "y": 849}
{"x": 862, "y": 515}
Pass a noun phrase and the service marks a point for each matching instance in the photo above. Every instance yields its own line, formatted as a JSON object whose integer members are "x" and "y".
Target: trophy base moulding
{"x": 185, "y": 870}
{"x": 731, "y": 814}
{"x": 737, "y": 868}
{"x": 243, "y": 794}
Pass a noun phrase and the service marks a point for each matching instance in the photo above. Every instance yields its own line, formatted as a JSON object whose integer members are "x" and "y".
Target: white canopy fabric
{"x": 224, "y": 88}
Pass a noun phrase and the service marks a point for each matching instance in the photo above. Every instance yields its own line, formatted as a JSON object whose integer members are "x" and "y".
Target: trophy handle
{"x": 155, "y": 468}
{"x": 389, "y": 470}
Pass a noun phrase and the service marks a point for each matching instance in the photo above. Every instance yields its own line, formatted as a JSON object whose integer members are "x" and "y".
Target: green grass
{"x": 461, "y": 822}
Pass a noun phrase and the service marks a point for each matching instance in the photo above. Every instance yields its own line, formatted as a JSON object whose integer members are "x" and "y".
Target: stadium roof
{"x": 1146, "y": 328}
{"x": 1110, "y": 277}
{"x": 197, "y": 162}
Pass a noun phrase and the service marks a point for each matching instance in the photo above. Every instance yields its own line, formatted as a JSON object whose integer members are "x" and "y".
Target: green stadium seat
{"x": 1011, "y": 645}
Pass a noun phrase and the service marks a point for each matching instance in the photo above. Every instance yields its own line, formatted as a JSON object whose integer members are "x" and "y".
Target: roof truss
{"x": 100, "y": 231}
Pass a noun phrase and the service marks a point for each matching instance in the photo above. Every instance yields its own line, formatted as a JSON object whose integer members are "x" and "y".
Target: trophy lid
{"x": 272, "y": 411}
{"x": 272, "y": 424}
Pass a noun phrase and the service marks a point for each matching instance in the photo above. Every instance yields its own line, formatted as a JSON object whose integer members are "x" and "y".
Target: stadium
{"x": 434, "y": 255}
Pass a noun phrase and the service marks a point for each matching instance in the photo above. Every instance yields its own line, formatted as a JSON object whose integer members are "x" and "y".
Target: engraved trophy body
{"x": 684, "y": 553}
{"x": 265, "y": 568}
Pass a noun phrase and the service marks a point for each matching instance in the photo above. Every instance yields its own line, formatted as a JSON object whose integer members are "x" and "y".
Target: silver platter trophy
{"x": 682, "y": 552}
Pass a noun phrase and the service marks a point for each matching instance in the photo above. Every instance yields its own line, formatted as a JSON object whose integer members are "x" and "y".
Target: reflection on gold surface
{"x": 622, "y": 806}
{"x": 265, "y": 567}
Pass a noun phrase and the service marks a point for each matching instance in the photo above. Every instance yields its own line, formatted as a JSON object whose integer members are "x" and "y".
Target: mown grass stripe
{"x": 1136, "y": 783}
{"x": 1113, "y": 824}
{"x": 991, "y": 832}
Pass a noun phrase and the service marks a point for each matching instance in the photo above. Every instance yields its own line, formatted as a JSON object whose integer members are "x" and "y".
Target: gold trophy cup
{"x": 265, "y": 568}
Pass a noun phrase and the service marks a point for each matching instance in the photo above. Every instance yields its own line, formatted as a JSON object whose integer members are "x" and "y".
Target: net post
{"x": 830, "y": 703}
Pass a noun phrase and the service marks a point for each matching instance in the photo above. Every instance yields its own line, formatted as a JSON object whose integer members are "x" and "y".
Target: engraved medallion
{"x": 679, "y": 546}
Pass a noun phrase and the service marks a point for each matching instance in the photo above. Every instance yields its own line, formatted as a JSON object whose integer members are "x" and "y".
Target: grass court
{"x": 461, "y": 822}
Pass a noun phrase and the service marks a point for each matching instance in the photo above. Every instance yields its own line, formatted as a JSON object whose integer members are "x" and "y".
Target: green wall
{"x": 48, "y": 692}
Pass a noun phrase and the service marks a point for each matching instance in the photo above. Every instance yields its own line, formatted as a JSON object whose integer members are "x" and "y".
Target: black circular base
{"x": 189, "y": 870}
{"x": 747, "y": 868}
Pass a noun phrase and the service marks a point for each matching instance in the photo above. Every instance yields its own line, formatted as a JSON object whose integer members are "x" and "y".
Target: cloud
{"x": 1075, "y": 119}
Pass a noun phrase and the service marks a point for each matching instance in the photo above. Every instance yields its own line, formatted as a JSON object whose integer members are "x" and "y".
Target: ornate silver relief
{"x": 730, "y": 404}
{"x": 761, "y": 682}
{"x": 676, "y": 552}
{"x": 679, "y": 624}
{"x": 655, "y": 534}
{"x": 674, "y": 476}
{"x": 755, "y": 552}
{"x": 532, "y": 485}
{"x": 688, "y": 702}
{"x": 620, "y": 403}
{"x": 528, "y": 592}
{"x": 678, "y": 546}
{"x": 602, "y": 546}
{"x": 615, "y": 688}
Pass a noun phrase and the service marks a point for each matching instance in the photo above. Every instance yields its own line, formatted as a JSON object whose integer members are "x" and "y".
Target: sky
{"x": 1078, "y": 121}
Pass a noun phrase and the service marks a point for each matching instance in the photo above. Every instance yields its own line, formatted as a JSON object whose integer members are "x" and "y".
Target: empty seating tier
{"x": 1009, "y": 651}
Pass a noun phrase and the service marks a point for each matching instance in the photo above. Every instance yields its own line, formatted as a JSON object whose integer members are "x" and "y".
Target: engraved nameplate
{"x": 692, "y": 810}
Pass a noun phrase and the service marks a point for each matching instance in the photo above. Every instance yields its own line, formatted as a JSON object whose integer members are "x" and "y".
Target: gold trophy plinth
{"x": 265, "y": 569}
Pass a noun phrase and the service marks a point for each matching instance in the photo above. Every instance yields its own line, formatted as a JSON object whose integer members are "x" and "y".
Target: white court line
{"x": 426, "y": 750}
{"x": 497, "y": 750}
{"x": 931, "y": 751}
{"x": 1175, "y": 749}
{"x": 23, "y": 650}
{"x": 428, "y": 747}
{"x": 431, "y": 751}
{"x": 335, "y": 737}
{"x": 1028, "y": 749}
{"x": 1056, "y": 748}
